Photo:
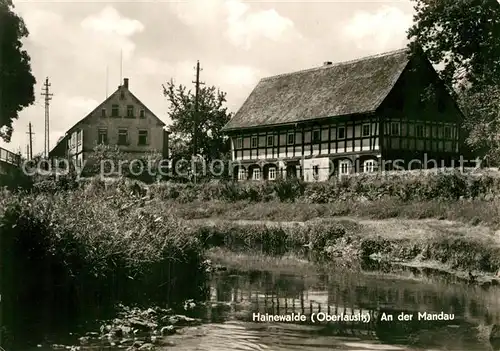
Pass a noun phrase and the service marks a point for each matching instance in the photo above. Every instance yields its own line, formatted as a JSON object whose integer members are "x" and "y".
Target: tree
{"x": 16, "y": 80}
{"x": 463, "y": 35}
{"x": 482, "y": 108}
{"x": 212, "y": 116}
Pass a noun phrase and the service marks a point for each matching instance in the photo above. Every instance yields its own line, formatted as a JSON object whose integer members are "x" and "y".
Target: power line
{"x": 48, "y": 96}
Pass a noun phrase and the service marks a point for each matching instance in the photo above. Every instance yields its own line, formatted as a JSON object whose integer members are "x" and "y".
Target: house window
{"x": 102, "y": 136}
{"x": 142, "y": 114}
{"x": 79, "y": 137}
{"x": 315, "y": 172}
{"x": 341, "y": 133}
{"x": 344, "y": 167}
{"x": 316, "y": 136}
{"x": 366, "y": 130}
{"x": 114, "y": 111}
{"x": 122, "y": 95}
{"x": 239, "y": 143}
{"x": 143, "y": 137}
{"x": 270, "y": 140}
{"x": 103, "y": 112}
{"x": 395, "y": 128}
{"x": 256, "y": 174}
{"x": 291, "y": 139}
{"x": 447, "y": 132}
{"x": 130, "y": 111}
{"x": 272, "y": 173}
{"x": 369, "y": 166}
{"x": 122, "y": 137}
{"x": 255, "y": 141}
{"x": 419, "y": 131}
{"x": 242, "y": 174}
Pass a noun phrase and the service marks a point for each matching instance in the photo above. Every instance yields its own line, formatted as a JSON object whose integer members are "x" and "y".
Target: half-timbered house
{"x": 388, "y": 111}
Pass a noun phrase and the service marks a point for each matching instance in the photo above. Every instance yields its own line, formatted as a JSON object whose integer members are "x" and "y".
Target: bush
{"x": 84, "y": 250}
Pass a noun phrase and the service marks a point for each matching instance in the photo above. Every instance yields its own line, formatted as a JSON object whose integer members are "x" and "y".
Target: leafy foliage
{"x": 463, "y": 35}
{"x": 212, "y": 116}
{"x": 482, "y": 108}
{"x": 411, "y": 186}
{"x": 16, "y": 80}
{"x": 109, "y": 160}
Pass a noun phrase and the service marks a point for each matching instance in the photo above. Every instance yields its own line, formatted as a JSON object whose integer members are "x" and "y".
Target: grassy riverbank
{"x": 474, "y": 212}
{"x": 66, "y": 248}
{"x": 472, "y": 198}
{"x": 444, "y": 245}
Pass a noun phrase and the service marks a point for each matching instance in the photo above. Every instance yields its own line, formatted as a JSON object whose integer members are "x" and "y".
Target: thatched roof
{"x": 340, "y": 89}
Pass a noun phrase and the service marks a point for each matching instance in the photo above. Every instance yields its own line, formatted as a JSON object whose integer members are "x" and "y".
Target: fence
{"x": 9, "y": 157}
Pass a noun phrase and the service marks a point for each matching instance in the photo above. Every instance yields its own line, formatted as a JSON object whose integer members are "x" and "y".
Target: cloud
{"x": 377, "y": 31}
{"x": 236, "y": 76}
{"x": 242, "y": 26}
{"x": 236, "y": 80}
{"x": 80, "y": 105}
{"x": 74, "y": 55}
{"x": 109, "y": 21}
{"x": 198, "y": 12}
{"x": 245, "y": 27}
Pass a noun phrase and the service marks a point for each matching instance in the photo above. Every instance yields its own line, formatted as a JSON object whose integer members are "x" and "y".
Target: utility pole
{"x": 29, "y": 156}
{"x": 196, "y": 113}
{"x": 196, "y": 108}
{"x": 48, "y": 96}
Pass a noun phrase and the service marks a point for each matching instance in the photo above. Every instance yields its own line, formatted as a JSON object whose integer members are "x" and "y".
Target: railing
{"x": 9, "y": 157}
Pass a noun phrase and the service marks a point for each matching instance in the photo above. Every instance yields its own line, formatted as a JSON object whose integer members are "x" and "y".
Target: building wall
{"x": 83, "y": 138}
{"x": 414, "y": 135}
{"x": 429, "y": 118}
{"x": 316, "y": 169}
{"x": 274, "y": 144}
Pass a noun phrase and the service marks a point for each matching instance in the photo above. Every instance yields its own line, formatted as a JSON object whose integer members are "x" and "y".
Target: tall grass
{"x": 77, "y": 253}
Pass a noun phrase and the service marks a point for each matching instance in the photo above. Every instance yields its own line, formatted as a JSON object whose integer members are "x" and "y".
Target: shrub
{"x": 83, "y": 248}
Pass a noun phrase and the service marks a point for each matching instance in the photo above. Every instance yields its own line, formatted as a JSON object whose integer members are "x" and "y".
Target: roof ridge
{"x": 336, "y": 64}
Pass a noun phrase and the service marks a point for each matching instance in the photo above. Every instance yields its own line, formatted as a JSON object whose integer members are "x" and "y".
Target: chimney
{"x": 125, "y": 82}
{"x": 327, "y": 63}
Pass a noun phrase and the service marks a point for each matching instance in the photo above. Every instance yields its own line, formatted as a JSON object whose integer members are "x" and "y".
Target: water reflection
{"x": 236, "y": 296}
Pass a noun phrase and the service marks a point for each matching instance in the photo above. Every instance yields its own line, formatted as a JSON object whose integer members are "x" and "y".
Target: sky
{"x": 79, "y": 45}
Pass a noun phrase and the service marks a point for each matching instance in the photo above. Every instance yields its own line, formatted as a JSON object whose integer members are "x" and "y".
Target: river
{"x": 235, "y": 296}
